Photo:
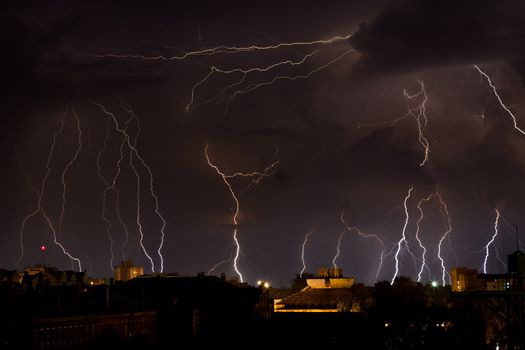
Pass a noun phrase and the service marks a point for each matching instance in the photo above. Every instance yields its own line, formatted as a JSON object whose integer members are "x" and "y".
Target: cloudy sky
{"x": 345, "y": 95}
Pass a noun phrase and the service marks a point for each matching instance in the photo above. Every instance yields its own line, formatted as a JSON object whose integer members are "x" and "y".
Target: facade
{"x": 81, "y": 331}
{"x": 464, "y": 279}
{"x": 468, "y": 280}
{"x": 127, "y": 271}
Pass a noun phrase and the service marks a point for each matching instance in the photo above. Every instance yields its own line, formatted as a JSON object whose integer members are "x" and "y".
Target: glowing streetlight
{"x": 434, "y": 284}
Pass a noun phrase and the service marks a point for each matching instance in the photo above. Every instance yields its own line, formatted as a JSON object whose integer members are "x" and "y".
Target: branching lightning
{"x": 418, "y": 113}
{"x": 243, "y": 72}
{"x": 223, "y": 49}
{"x": 135, "y": 155}
{"x": 153, "y": 194}
{"x": 364, "y": 235}
{"x": 487, "y": 247}
{"x": 40, "y": 208}
{"x": 228, "y": 93}
{"x": 110, "y": 186}
{"x": 226, "y": 179}
{"x": 255, "y": 86}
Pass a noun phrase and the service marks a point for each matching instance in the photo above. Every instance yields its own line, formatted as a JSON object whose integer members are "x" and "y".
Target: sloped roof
{"x": 312, "y": 298}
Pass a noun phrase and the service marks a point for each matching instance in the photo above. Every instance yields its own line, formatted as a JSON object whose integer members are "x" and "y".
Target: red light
{"x": 43, "y": 248}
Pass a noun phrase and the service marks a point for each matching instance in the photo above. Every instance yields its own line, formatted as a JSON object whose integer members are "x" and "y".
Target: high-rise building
{"x": 464, "y": 279}
{"x": 126, "y": 271}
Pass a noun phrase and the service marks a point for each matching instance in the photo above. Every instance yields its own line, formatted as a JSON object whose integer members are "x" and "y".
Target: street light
{"x": 264, "y": 284}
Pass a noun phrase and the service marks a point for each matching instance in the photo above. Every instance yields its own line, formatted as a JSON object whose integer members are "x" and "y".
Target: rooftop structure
{"x": 329, "y": 292}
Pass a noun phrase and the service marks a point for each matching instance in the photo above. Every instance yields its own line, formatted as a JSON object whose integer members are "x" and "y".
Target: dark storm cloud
{"x": 39, "y": 56}
{"x": 419, "y": 34}
{"x": 32, "y": 57}
{"x": 493, "y": 168}
{"x": 327, "y": 165}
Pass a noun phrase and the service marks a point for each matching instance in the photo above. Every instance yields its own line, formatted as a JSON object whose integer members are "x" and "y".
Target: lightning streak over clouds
{"x": 243, "y": 72}
{"x": 223, "y": 49}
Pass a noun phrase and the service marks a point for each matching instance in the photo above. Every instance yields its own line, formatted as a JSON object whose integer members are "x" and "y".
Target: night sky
{"x": 336, "y": 133}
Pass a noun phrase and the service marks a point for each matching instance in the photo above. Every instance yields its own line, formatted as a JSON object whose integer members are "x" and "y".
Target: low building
{"x": 8, "y": 277}
{"x": 329, "y": 292}
{"x": 51, "y": 276}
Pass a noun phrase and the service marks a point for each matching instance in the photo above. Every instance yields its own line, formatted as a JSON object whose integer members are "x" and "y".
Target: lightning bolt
{"x": 514, "y": 120}
{"x": 487, "y": 247}
{"x": 30, "y": 215}
{"x": 403, "y": 234}
{"x": 338, "y": 248}
{"x": 423, "y": 248}
{"x": 104, "y": 196}
{"x": 226, "y": 179}
{"x": 303, "y": 246}
{"x": 448, "y": 228}
{"x": 366, "y": 236}
{"x": 418, "y": 113}
{"x": 64, "y": 172}
{"x": 220, "y": 263}
{"x": 40, "y": 208}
